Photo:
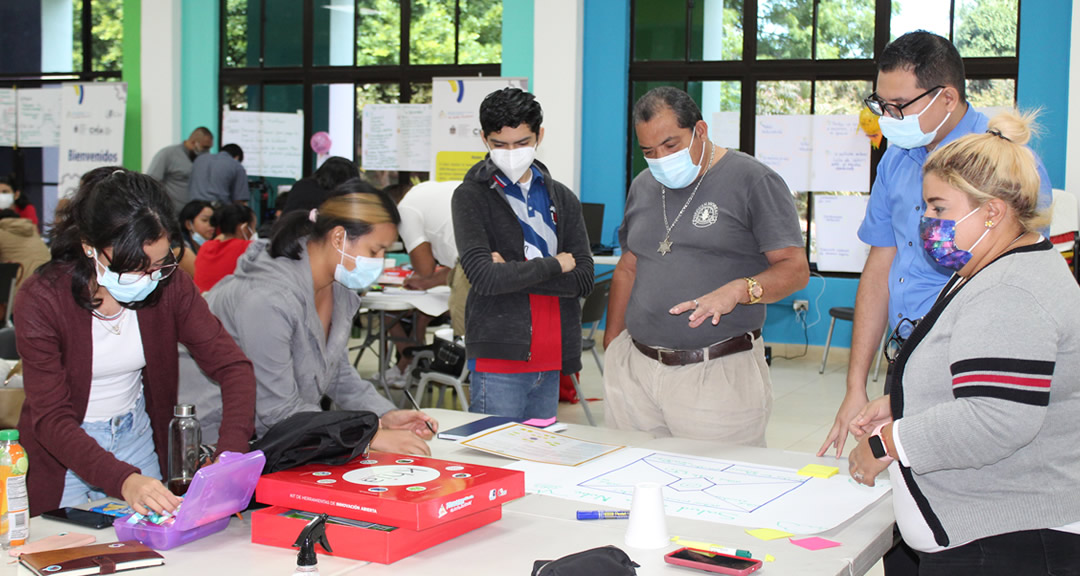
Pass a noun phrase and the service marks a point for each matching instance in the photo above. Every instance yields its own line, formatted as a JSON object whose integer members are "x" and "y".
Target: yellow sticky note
{"x": 769, "y": 534}
{"x": 770, "y": 558}
{"x": 819, "y": 471}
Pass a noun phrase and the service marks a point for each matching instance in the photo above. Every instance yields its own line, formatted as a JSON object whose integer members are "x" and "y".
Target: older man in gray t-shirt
{"x": 710, "y": 235}
{"x": 172, "y": 165}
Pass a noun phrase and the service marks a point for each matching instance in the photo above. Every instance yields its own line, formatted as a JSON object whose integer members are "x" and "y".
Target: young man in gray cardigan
{"x": 522, "y": 243}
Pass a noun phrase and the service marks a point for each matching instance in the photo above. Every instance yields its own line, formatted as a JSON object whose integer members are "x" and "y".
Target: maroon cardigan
{"x": 54, "y": 338}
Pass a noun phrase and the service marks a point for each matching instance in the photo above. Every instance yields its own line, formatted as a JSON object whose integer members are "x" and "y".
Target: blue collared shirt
{"x": 532, "y": 206}
{"x": 892, "y": 220}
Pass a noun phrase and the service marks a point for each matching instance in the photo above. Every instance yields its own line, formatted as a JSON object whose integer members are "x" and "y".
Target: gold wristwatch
{"x": 753, "y": 288}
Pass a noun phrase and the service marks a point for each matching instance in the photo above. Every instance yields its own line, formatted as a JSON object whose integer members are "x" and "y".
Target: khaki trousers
{"x": 726, "y": 399}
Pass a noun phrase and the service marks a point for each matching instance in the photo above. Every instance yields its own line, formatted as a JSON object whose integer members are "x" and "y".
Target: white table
{"x": 605, "y": 260}
{"x": 542, "y": 527}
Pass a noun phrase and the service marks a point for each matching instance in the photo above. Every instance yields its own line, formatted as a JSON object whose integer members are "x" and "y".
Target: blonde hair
{"x": 995, "y": 164}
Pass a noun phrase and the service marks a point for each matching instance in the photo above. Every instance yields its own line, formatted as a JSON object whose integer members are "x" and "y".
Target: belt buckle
{"x": 660, "y": 351}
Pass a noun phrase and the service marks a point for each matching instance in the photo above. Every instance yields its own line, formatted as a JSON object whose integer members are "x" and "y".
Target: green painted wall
{"x": 517, "y": 38}
{"x": 132, "y": 74}
{"x": 199, "y": 61}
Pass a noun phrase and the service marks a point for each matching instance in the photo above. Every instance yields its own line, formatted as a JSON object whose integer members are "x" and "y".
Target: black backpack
{"x": 603, "y": 561}
{"x": 333, "y": 438}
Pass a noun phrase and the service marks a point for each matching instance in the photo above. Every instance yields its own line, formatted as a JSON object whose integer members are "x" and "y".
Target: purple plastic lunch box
{"x": 216, "y": 493}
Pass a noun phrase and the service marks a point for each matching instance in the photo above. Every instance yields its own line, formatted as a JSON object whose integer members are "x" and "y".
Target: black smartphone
{"x": 83, "y": 518}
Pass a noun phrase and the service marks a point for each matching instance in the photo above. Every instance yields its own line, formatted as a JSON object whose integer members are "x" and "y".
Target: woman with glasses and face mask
{"x": 979, "y": 430}
{"x": 98, "y": 329}
{"x": 290, "y": 305}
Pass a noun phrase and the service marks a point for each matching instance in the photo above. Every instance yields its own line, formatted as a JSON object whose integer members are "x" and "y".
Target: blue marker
{"x": 603, "y": 514}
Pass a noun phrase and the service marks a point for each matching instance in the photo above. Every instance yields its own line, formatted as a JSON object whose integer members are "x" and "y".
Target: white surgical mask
{"x": 514, "y": 162}
{"x": 676, "y": 170}
{"x": 907, "y": 133}
{"x": 364, "y": 274}
{"x": 6, "y": 200}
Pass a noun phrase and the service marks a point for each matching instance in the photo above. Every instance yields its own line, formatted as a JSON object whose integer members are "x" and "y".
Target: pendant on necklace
{"x": 665, "y": 246}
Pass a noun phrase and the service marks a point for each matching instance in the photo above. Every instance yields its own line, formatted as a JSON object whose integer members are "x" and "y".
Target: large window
{"x": 804, "y": 57}
{"x": 331, "y": 58}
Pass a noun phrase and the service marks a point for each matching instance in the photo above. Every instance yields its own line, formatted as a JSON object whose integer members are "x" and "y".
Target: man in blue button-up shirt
{"x": 920, "y": 84}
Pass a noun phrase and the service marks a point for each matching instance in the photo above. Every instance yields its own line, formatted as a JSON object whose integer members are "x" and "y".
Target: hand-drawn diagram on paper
{"x": 721, "y": 491}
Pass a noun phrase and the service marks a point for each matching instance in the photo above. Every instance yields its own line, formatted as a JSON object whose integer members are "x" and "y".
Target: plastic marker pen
{"x": 712, "y": 547}
{"x": 603, "y": 514}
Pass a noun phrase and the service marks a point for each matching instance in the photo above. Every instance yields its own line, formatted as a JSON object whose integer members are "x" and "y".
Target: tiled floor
{"x": 804, "y": 402}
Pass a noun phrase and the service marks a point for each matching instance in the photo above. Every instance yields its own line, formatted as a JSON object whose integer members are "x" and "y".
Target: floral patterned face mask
{"x": 939, "y": 241}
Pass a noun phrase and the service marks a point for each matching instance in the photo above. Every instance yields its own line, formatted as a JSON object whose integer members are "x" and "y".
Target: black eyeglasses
{"x": 898, "y": 337}
{"x": 880, "y": 107}
{"x": 156, "y": 273}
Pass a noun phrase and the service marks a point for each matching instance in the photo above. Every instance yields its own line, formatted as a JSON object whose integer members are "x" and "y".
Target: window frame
{"x": 749, "y": 71}
{"x": 308, "y": 75}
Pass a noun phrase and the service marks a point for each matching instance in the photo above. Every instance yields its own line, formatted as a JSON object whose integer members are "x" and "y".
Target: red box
{"x": 382, "y": 544}
{"x": 409, "y": 492}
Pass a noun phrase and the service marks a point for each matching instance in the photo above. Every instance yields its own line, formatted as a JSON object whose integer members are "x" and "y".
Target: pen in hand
{"x": 417, "y": 407}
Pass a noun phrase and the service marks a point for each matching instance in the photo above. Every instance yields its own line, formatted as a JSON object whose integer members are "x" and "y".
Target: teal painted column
{"x": 517, "y": 38}
{"x": 605, "y": 107}
{"x": 199, "y": 62}
{"x": 1045, "y": 37}
{"x": 131, "y": 72}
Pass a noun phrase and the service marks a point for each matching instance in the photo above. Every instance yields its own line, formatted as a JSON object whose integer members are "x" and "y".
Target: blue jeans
{"x": 129, "y": 438}
{"x": 520, "y": 396}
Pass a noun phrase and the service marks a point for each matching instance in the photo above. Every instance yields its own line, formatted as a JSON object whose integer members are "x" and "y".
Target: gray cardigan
{"x": 987, "y": 401}
{"x": 268, "y": 306}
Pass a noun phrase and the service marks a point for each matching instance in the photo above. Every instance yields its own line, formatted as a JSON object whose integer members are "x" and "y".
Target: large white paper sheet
{"x": 39, "y": 117}
{"x": 727, "y": 492}
{"x": 784, "y": 144}
{"x": 821, "y": 153}
{"x": 396, "y": 137}
{"x": 724, "y": 130}
{"x": 836, "y": 232}
{"x": 840, "y": 161}
{"x": 456, "y": 139}
{"x": 92, "y": 130}
{"x": 8, "y": 129}
{"x": 273, "y": 142}
{"x": 527, "y": 443}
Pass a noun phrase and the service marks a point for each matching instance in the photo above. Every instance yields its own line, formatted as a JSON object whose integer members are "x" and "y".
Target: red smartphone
{"x": 712, "y": 562}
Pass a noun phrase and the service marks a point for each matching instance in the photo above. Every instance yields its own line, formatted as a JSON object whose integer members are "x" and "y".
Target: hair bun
{"x": 1013, "y": 126}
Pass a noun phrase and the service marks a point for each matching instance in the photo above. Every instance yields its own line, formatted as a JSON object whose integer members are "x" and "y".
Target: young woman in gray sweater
{"x": 979, "y": 433}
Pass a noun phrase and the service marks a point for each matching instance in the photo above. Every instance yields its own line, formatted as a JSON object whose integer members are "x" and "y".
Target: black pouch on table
{"x": 333, "y": 438}
{"x": 606, "y": 561}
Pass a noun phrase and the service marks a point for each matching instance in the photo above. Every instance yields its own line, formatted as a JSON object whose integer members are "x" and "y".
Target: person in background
{"x": 20, "y": 243}
{"x": 978, "y": 429}
{"x": 217, "y": 258}
{"x": 710, "y": 236}
{"x": 521, "y": 238}
{"x": 11, "y": 197}
{"x": 98, "y": 329}
{"x": 172, "y": 165}
{"x": 196, "y": 228}
{"x": 290, "y": 306}
{"x": 220, "y": 178}
{"x": 312, "y": 191}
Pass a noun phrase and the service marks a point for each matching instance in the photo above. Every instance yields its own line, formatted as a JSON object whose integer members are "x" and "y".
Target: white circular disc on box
{"x": 391, "y": 475}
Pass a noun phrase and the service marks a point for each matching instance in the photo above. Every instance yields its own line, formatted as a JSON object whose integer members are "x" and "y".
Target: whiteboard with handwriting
{"x": 39, "y": 117}
{"x": 7, "y": 117}
{"x": 273, "y": 142}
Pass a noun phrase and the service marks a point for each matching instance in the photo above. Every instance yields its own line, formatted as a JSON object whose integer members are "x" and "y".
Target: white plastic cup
{"x": 647, "y": 527}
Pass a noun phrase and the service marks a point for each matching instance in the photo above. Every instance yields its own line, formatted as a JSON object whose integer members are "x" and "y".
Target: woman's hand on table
{"x": 400, "y": 441}
{"x": 862, "y": 465}
{"x": 413, "y": 420}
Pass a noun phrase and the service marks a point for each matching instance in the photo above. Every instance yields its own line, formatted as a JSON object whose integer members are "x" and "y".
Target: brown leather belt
{"x": 671, "y": 357}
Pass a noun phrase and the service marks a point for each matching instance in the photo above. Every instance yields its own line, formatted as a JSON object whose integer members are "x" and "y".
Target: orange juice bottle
{"x": 14, "y": 502}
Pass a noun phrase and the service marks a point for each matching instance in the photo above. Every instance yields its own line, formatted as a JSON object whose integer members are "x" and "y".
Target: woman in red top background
{"x": 217, "y": 258}
{"x": 19, "y": 202}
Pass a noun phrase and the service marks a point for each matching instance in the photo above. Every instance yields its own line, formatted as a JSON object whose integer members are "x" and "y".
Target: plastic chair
{"x": 1064, "y": 227}
{"x": 592, "y": 313}
{"x": 422, "y": 358}
{"x": 841, "y": 313}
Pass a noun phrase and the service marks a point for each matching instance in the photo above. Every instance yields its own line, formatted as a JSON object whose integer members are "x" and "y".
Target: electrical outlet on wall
{"x": 801, "y": 305}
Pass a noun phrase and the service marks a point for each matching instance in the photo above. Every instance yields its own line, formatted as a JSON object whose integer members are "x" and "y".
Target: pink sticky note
{"x": 815, "y": 543}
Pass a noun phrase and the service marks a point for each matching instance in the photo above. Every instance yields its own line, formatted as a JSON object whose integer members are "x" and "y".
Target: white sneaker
{"x": 394, "y": 378}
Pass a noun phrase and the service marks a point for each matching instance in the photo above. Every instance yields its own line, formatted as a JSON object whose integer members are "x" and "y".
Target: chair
{"x": 9, "y": 274}
{"x": 841, "y": 313}
{"x": 1064, "y": 226}
{"x": 592, "y": 313}
{"x": 419, "y": 369}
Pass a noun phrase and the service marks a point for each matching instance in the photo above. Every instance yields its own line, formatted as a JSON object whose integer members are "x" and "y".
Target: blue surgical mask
{"x": 676, "y": 170}
{"x": 939, "y": 241}
{"x": 907, "y": 133}
{"x": 366, "y": 272}
{"x": 125, "y": 288}
{"x": 197, "y": 238}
